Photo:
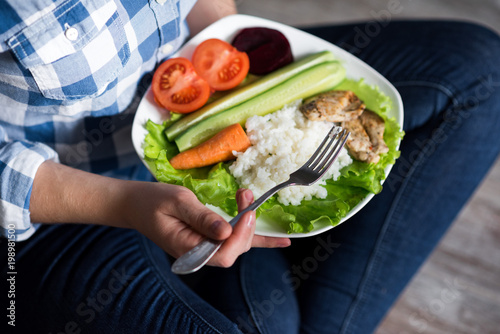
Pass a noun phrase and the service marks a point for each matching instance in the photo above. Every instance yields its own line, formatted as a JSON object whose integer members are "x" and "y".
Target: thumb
{"x": 244, "y": 197}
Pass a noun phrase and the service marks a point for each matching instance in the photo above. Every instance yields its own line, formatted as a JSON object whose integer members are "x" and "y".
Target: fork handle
{"x": 198, "y": 256}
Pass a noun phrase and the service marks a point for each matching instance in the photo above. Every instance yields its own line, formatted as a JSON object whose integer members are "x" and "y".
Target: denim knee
{"x": 477, "y": 83}
{"x": 481, "y": 47}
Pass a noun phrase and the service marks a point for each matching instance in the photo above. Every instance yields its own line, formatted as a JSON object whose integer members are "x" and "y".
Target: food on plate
{"x": 375, "y": 127}
{"x": 182, "y": 86}
{"x": 268, "y": 49}
{"x": 209, "y": 152}
{"x": 247, "y": 92}
{"x": 309, "y": 82}
{"x": 333, "y": 106}
{"x": 220, "y": 64}
{"x": 219, "y": 94}
{"x": 220, "y": 147}
{"x": 216, "y": 185}
{"x": 358, "y": 143}
{"x": 366, "y": 141}
{"x": 281, "y": 143}
{"x": 177, "y": 87}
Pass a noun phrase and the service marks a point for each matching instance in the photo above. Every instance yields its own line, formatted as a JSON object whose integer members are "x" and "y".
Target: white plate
{"x": 302, "y": 44}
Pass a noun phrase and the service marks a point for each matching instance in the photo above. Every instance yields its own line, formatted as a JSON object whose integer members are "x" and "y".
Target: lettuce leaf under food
{"x": 212, "y": 185}
{"x": 216, "y": 186}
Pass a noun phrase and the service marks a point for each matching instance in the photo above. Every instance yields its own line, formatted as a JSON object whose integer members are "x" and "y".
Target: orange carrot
{"x": 216, "y": 149}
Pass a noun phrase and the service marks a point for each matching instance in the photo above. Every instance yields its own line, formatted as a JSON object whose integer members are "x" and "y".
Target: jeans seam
{"x": 374, "y": 261}
{"x": 163, "y": 282}
{"x": 432, "y": 84}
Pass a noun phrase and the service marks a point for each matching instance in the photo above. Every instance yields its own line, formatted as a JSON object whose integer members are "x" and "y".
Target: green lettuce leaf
{"x": 216, "y": 186}
{"x": 212, "y": 185}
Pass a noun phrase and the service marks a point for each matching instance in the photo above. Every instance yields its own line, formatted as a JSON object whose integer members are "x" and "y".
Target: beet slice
{"x": 268, "y": 49}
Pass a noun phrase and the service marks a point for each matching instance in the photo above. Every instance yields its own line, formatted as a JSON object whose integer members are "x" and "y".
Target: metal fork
{"x": 312, "y": 171}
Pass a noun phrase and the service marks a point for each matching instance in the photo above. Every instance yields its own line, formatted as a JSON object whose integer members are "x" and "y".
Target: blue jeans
{"x": 94, "y": 279}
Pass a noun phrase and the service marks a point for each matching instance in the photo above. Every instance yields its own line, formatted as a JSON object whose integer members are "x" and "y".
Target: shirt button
{"x": 71, "y": 34}
{"x": 166, "y": 49}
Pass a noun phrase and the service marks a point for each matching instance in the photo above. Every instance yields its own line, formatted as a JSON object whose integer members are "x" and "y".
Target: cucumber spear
{"x": 309, "y": 82}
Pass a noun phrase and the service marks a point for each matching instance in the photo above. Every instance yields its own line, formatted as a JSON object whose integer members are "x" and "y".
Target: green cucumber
{"x": 307, "y": 83}
{"x": 247, "y": 92}
{"x": 217, "y": 95}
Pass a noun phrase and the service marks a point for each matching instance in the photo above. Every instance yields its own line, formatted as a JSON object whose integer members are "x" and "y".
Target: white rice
{"x": 281, "y": 143}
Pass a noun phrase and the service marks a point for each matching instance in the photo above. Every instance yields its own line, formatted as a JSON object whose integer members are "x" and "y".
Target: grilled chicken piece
{"x": 374, "y": 126}
{"x": 333, "y": 106}
{"x": 366, "y": 141}
{"x": 358, "y": 143}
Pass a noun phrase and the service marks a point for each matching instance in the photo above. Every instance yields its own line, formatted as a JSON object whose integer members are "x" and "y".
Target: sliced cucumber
{"x": 247, "y": 92}
{"x": 307, "y": 83}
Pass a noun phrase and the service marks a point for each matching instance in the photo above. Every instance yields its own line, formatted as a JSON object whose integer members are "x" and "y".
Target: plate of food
{"x": 256, "y": 131}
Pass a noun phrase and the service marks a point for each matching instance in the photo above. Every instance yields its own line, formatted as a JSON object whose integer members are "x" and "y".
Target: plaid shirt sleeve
{"x": 71, "y": 72}
{"x": 19, "y": 162}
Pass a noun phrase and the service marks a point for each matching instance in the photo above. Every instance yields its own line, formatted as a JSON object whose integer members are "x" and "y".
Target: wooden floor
{"x": 458, "y": 288}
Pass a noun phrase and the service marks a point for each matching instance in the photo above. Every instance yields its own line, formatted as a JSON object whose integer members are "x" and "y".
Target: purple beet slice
{"x": 267, "y": 49}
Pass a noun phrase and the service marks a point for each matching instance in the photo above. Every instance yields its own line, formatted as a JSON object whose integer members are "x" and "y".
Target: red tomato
{"x": 220, "y": 64}
{"x": 178, "y": 88}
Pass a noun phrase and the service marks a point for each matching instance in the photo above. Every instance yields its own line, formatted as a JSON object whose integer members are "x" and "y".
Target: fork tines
{"x": 328, "y": 151}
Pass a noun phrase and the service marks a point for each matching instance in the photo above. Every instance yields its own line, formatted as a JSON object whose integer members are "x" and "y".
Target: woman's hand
{"x": 173, "y": 218}
{"x": 169, "y": 215}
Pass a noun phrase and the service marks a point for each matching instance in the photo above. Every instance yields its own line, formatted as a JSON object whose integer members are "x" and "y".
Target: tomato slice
{"x": 177, "y": 87}
{"x": 220, "y": 64}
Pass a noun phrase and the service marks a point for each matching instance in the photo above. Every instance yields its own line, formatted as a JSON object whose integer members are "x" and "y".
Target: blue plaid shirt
{"x": 71, "y": 75}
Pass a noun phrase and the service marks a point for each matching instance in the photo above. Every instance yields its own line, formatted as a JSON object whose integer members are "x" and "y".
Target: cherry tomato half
{"x": 220, "y": 64}
{"x": 178, "y": 88}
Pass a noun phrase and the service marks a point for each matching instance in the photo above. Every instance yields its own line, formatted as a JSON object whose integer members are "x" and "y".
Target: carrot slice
{"x": 216, "y": 149}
